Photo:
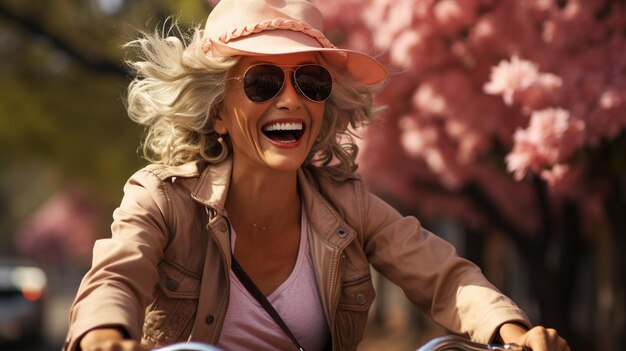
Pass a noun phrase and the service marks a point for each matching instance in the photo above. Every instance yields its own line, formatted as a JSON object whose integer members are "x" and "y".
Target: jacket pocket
{"x": 355, "y": 301}
{"x": 169, "y": 318}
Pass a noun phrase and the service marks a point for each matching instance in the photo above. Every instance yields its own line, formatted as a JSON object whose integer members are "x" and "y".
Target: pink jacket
{"x": 163, "y": 275}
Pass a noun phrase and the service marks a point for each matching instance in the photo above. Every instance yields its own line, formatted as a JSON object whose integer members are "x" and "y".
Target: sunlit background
{"x": 504, "y": 133}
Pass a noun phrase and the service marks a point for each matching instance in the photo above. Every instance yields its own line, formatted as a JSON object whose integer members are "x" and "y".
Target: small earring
{"x": 224, "y": 152}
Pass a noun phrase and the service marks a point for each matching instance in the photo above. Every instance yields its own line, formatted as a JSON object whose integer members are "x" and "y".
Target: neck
{"x": 263, "y": 200}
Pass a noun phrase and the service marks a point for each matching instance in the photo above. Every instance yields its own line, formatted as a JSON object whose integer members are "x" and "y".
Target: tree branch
{"x": 86, "y": 58}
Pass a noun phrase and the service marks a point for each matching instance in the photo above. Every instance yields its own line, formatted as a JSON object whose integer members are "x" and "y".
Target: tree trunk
{"x": 553, "y": 261}
{"x": 616, "y": 213}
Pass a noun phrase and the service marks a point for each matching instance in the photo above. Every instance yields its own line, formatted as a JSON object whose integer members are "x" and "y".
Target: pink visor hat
{"x": 273, "y": 27}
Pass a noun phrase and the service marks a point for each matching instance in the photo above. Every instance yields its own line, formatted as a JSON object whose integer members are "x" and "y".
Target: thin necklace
{"x": 258, "y": 226}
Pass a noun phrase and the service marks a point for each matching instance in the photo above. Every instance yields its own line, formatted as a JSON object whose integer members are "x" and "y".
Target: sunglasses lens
{"x": 314, "y": 82}
{"x": 263, "y": 82}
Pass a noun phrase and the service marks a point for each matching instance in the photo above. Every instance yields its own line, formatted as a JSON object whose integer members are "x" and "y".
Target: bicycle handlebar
{"x": 444, "y": 343}
{"x": 188, "y": 346}
{"x": 457, "y": 343}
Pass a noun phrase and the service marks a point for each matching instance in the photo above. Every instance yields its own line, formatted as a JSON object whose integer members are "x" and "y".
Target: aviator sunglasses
{"x": 264, "y": 81}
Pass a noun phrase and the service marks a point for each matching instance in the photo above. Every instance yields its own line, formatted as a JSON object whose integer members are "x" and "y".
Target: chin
{"x": 284, "y": 164}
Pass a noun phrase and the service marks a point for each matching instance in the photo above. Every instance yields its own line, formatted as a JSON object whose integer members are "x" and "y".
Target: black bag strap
{"x": 258, "y": 295}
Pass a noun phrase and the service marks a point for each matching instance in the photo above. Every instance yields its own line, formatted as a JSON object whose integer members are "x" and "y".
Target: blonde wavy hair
{"x": 177, "y": 92}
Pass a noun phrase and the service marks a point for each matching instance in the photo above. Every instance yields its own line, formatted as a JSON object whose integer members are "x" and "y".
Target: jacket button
{"x": 209, "y": 319}
{"x": 221, "y": 226}
{"x": 361, "y": 299}
{"x": 171, "y": 285}
{"x": 342, "y": 233}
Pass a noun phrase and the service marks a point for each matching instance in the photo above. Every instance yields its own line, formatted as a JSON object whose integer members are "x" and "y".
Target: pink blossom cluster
{"x": 520, "y": 80}
{"x": 550, "y": 138}
{"x": 484, "y": 89}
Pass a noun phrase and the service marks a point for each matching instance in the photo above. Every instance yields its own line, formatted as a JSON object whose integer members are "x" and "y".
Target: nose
{"x": 288, "y": 98}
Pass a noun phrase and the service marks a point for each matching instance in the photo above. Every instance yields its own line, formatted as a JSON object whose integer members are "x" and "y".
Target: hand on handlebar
{"x": 457, "y": 343}
{"x": 108, "y": 339}
{"x": 537, "y": 338}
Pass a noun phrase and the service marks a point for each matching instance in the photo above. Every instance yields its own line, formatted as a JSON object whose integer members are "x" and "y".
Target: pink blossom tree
{"x": 510, "y": 117}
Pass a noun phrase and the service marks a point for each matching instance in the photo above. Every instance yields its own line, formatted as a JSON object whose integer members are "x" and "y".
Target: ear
{"x": 219, "y": 126}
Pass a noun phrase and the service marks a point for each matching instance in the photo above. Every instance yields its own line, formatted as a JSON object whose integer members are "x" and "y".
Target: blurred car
{"x": 22, "y": 290}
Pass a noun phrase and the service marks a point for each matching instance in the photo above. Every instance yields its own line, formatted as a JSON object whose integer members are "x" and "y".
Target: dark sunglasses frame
{"x": 293, "y": 69}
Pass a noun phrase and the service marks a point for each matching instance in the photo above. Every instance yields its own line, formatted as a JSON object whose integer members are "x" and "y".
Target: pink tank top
{"x": 249, "y": 327}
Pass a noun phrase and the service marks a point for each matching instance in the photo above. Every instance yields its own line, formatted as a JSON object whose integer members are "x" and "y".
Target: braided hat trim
{"x": 279, "y": 23}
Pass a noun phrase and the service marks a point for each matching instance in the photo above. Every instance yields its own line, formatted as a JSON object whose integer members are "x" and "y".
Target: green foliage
{"x": 62, "y": 119}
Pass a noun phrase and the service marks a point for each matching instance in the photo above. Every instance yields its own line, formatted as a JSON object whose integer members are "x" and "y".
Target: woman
{"x": 250, "y": 185}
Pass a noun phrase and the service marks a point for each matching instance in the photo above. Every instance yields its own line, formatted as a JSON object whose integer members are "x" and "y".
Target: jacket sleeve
{"x": 120, "y": 283}
{"x": 452, "y": 290}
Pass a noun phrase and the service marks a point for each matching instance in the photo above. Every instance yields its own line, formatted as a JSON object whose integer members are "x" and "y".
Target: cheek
{"x": 239, "y": 112}
{"x": 317, "y": 114}
{"x": 241, "y": 119}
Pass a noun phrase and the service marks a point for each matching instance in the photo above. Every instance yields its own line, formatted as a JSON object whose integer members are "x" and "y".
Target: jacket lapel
{"x": 328, "y": 235}
{"x": 210, "y": 191}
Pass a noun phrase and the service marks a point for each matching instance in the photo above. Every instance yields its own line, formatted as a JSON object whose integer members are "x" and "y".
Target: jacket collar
{"x": 212, "y": 188}
{"x": 212, "y": 185}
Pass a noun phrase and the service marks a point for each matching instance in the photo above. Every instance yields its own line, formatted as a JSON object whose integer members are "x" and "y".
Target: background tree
{"x": 62, "y": 119}
{"x": 66, "y": 144}
{"x": 509, "y": 117}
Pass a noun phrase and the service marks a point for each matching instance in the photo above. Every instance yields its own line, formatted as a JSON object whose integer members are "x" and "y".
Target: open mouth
{"x": 284, "y": 132}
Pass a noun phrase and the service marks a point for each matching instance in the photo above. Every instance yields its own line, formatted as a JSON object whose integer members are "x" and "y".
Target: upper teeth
{"x": 283, "y": 126}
